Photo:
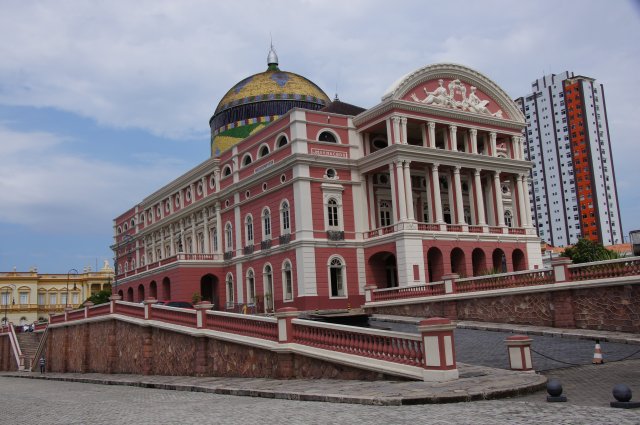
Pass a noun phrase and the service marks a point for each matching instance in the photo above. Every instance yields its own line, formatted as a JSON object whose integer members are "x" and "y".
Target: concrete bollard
{"x": 87, "y": 306}
{"x": 519, "y": 349}
{"x": 112, "y": 300}
{"x": 622, "y": 393}
{"x": 450, "y": 282}
{"x": 439, "y": 350}
{"x": 368, "y": 293}
{"x": 285, "y": 316}
{"x": 201, "y": 311}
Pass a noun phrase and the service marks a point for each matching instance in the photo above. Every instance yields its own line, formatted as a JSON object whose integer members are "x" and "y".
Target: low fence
{"x": 391, "y": 352}
{"x": 562, "y": 271}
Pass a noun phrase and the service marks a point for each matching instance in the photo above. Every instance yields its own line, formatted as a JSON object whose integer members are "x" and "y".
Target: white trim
{"x": 343, "y": 275}
{"x": 328, "y": 130}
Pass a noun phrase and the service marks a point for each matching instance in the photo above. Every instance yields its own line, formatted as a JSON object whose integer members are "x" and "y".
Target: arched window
{"x": 251, "y": 287}
{"x": 508, "y": 218}
{"x": 267, "y": 281}
{"x": 336, "y": 277}
{"x": 249, "y": 230}
{"x": 226, "y": 171}
{"x": 287, "y": 281}
{"x": 327, "y": 136}
{"x": 286, "y": 223}
{"x": 264, "y": 151}
{"x": 266, "y": 224}
{"x": 246, "y": 160}
{"x": 228, "y": 234}
{"x": 332, "y": 213}
{"x": 215, "y": 239}
{"x": 282, "y": 141}
{"x": 230, "y": 292}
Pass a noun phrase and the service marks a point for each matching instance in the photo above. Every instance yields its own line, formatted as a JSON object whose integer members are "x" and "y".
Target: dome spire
{"x": 272, "y": 59}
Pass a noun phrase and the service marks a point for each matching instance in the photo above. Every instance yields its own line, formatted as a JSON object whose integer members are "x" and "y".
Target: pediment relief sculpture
{"x": 454, "y": 96}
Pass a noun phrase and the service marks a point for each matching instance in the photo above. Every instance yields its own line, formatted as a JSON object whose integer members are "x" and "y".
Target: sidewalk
{"x": 603, "y": 336}
{"x": 475, "y": 383}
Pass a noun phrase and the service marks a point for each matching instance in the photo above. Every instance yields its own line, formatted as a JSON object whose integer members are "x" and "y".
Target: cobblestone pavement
{"x": 487, "y": 347}
{"x": 26, "y": 402}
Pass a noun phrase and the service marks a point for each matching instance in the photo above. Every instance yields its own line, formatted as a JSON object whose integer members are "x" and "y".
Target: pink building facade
{"x": 315, "y": 206}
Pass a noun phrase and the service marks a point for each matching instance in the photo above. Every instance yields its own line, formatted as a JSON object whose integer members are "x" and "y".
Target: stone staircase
{"x": 28, "y": 342}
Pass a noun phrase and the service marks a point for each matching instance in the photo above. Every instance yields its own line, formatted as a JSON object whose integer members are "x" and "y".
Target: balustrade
{"x": 605, "y": 269}
{"x": 253, "y": 326}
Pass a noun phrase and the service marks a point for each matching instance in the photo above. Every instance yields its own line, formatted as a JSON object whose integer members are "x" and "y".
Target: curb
{"x": 283, "y": 395}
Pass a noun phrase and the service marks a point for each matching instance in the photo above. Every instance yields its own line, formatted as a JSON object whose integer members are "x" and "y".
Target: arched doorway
{"x": 458, "y": 262}
{"x": 479, "y": 260}
{"x": 130, "y": 294}
{"x": 519, "y": 263}
{"x": 153, "y": 290}
{"x": 384, "y": 268}
{"x": 435, "y": 264}
{"x": 208, "y": 288}
{"x": 499, "y": 261}
{"x": 166, "y": 289}
{"x": 140, "y": 292}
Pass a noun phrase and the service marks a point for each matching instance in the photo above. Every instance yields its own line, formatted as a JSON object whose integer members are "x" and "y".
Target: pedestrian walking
{"x": 42, "y": 363}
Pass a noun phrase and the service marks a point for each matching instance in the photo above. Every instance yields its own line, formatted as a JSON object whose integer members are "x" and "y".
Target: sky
{"x": 103, "y": 102}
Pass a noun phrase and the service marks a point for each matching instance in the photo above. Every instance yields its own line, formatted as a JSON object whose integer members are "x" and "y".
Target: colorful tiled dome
{"x": 258, "y": 100}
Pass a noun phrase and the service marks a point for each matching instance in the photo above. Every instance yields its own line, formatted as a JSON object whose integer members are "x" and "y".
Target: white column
{"x": 473, "y": 134}
{"x": 432, "y": 134}
{"x": 205, "y": 230}
{"x": 389, "y": 131}
{"x": 408, "y": 190}
{"x": 479, "y": 197}
{"x": 194, "y": 239}
{"x": 437, "y": 202}
{"x": 372, "y": 201}
{"x": 403, "y": 130}
{"x": 492, "y": 139}
{"x": 458, "y": 194}
{"x": 402, "y": 200}
{"x": 527, "y": 201}
{"x": 396, "y": 130}
{"x": 497, "y": 190}
{"x": 522, "y": 209}
{"x": 394, "y": 192}
{"x": 453, "y": 137}
{"x": 515, "y": 147}
{"x": 427, "y": 177}
{"x": 521, "y": 144}
{"x": 163, "y": 253}
{"x": 219, "y": 229}
{"x": 423, "y": 133}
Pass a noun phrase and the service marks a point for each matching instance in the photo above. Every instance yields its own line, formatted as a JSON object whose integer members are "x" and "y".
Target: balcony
{"x": 285, "y": 239}
{"x": 266, "y": 244}
{"x": 247, "y": 250}
{"x": 442, "y": 228}
{"x": 335, "y": 235}
{"x": 228, "y": 255}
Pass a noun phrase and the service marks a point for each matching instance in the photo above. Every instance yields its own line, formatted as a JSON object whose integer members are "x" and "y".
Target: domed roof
{"x": 258, "y": 100}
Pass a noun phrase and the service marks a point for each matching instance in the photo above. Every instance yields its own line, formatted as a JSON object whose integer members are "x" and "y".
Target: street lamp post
{"x": 66, "y": 301}
{"x": 6, "y": 303}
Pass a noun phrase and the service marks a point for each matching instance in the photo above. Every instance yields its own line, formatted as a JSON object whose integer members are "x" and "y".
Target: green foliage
{"x": 99, "y": 297}
{"x": 586, "y": 251}
{"x": 196, "y": 298}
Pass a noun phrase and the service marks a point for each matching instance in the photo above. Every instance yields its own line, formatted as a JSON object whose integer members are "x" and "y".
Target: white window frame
{"x": 328, "y": 130}
{"x": 251, "y": 286}
{"x": 248, "y": 230}
{"x": 228, "y": 236}
{"x": 267, "y": 277}
{"x": 267, "y": 229}
{"x": 53, "y": 298}
{"x": 262, "y": 146}
{"x": 387, "y": 210}
{"x": 287, "y": 281}
{"x": 214, "y": 239}
{"x": 278, "y": 138}
{"x": 343, "y": 276}
{"x": 24, "y": 297}
{"x": 333, "y": 191}
{"x": 285, "y": 217}
{"x": 230, "y": 291}
{"x": 42, "y": 298}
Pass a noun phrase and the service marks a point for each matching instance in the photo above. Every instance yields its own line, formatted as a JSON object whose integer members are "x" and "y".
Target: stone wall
{"x": 113, "y": 346}
{"x": 613, "y": 308}
{"x": 7, "y": 360}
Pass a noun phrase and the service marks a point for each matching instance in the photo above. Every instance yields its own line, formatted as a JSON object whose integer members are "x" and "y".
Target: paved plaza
{"x": 29, "y": 401}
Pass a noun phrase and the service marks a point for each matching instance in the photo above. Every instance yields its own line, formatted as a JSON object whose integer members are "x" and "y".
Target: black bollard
{"x": 554, "y": 388}
{"x": 622, "y": 394}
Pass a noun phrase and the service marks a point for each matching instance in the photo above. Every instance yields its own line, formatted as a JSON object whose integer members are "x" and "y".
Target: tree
{"x": 100, "y": 297}
{"x": 586, "y": 251}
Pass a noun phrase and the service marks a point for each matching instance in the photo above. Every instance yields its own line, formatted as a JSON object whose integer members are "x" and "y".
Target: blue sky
{"x": 102, "y": 103}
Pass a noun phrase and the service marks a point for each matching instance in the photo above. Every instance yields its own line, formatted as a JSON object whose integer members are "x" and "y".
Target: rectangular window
{"x": 53, "y": 299}
{"x": 24, "y": 298}
{"x": 41, "y": 299}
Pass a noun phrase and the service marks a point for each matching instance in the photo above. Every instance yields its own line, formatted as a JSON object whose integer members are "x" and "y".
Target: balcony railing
{"x": 228, "y": 255}
{"x": 248, "y": 250}
{"x": 335, "y": 235}
{"x": 437, "y": 227}
{"x": 265, "y": 244}
{"x": 285, "y": 239}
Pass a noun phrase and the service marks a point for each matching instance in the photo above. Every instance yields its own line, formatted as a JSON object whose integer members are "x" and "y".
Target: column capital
{"x": 453, "y": 127}
{"x": 431, "y": 124}
{"x": 493, "y": 134}
{"x": 403, "y": 120}
{"x": 456, "y": 169}
{"x": 473, "y": 131}
{"x": 395, "y": 119}
{"x": 434, "y": 166}
{"x": 476, "y": 171}
{"x": 496, "y": 174}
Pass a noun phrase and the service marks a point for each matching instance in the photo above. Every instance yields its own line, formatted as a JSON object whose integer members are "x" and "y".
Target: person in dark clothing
{"x": 42, "y": 363}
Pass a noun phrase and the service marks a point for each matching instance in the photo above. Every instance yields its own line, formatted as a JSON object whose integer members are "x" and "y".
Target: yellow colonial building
{"x": 26, "y": 297}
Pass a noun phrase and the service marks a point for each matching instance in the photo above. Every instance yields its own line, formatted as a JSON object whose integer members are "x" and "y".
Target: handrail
{"x": 40, "y": 349}
{"x": 17, "y": 352}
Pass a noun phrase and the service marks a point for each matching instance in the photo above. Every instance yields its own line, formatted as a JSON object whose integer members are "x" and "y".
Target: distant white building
{"x": 573, "y": 188}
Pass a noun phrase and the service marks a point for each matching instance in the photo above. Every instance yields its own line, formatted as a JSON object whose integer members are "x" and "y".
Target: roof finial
{"x": 272, "y": 58}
